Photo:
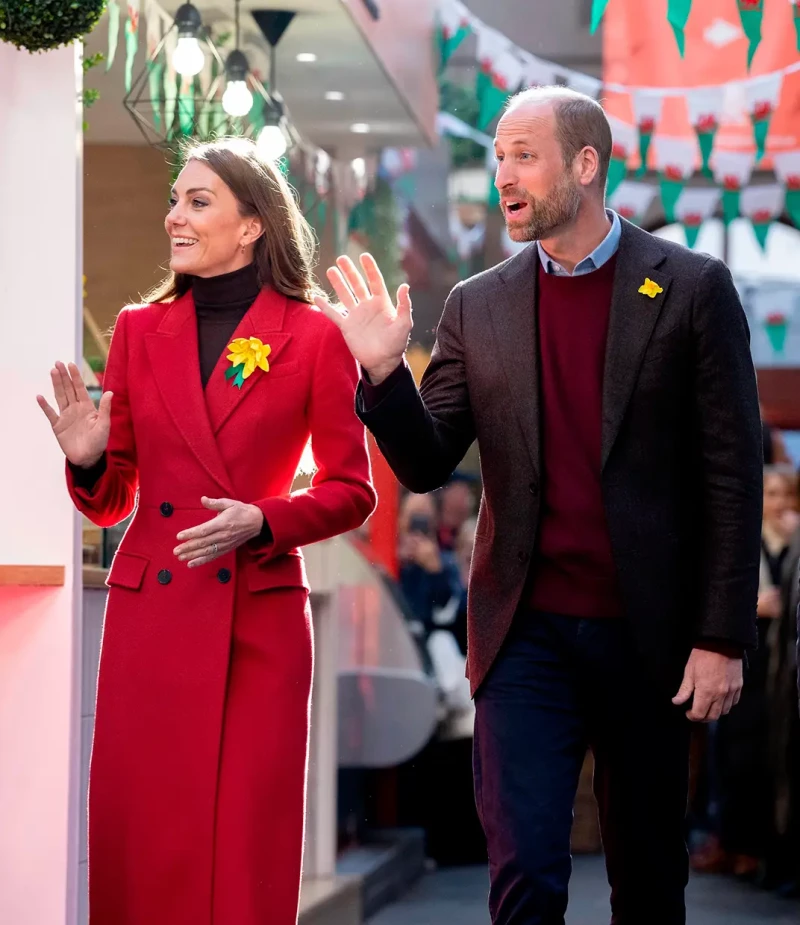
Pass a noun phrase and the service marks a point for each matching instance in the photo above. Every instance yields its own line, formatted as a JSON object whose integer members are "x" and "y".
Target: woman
{"x": 198, "y": 769}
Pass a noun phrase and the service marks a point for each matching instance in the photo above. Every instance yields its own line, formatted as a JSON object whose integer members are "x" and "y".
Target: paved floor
{"x": 458, "y": 897}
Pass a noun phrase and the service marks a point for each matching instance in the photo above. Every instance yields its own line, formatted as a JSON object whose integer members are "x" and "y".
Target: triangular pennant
{"x": 763, "y": 95}
{"x": 796, "y": 17}
{"x": 751, "y": 12}
{"x": 155, "y": 64}
{"x": 131, "y": 41}
{"x": 647, "y": 109}
{"x": 693, "y": 207}
{"x": 632, "y": 200}
{"x": 675, "y": 160}
{"x": 732, "y": 172}
{"x": 774, "y": 310}
{"x": 538, "y": 73}
{"x": 706, "y": 106}
{"x": 584, "y": 83}
{"x": 623, "y": 142}
{"x": 787, "y": 170}
{"x": 113, "y": 32}
{"x": 500, "y": 74}
{"x": 677, "y": 16}
{"x": 598, "y": 9}
{"x": 762, "y": 205}
{"x": 454, "y": 27}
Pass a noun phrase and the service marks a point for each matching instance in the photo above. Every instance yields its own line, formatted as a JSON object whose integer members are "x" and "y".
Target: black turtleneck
{"x": 221, "y": 302}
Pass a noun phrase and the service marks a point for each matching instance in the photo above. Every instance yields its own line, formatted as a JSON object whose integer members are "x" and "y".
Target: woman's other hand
{"x": 235, "y": 524}
{"x": 81, "y": 429}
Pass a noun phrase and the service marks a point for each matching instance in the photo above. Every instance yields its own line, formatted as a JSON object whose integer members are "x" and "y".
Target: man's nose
{"x": 504, "y": 176}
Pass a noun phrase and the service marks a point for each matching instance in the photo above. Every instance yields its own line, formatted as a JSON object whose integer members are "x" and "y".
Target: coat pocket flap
{"x": 288, "y": 571}
{"x": 127, "y": 571}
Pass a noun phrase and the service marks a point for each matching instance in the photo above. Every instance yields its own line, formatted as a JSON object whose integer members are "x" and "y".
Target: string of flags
{"x": 751, "y": 14}
{"x": 504, "y": 68}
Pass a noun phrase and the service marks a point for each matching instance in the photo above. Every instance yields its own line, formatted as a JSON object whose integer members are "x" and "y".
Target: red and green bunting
{"x": 450, "y": 33}
{"x": 796, "y": 14}
{"x": 706, "y": 131}
{"x": 598, "y": 9}
{"x": 492, "y": 97}
{"x": 760, "y": 118}
{"x": 677, "y": 16}
{"x": 731, "y": 196}
{"x": 776, "y": 326}
{"x": 793, "y": 198}
{"x": 751, "y": 12}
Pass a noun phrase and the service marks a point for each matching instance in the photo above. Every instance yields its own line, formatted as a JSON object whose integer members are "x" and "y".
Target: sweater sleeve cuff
{"x": 86, "y": 478}
{"x": 721, "y": 647}
{"x": 373, "y": 395}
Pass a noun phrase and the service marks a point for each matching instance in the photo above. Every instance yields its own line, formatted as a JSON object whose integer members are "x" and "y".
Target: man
{"x": 607, "y": 377}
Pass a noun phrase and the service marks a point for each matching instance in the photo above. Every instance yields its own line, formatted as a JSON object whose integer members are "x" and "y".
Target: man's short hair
{"x": 580, "y": 122}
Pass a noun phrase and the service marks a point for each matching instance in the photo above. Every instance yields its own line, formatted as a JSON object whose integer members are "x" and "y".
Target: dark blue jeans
{"x": 560, "y": 685}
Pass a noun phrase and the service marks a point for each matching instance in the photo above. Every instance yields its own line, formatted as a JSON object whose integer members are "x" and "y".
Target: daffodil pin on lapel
{"x": 649, "y": 288}
{"x": 247, "y": 355}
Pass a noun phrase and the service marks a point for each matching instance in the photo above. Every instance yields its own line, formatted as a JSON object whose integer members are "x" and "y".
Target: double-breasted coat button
{"x": 224, "y": 576}
{"x": 166, "y": 509}
{"x": 164, "y": 576}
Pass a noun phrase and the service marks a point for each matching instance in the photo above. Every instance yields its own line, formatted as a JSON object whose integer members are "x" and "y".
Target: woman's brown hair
{"x": 284, "y": 254}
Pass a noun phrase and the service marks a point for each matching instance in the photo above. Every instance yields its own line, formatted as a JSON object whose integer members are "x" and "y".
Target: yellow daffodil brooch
{"x": 649, "y": 288}
{"x": 247, "y": 354}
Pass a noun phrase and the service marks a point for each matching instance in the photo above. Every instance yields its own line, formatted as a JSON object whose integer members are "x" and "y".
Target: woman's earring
{"x": 243, "y": 248}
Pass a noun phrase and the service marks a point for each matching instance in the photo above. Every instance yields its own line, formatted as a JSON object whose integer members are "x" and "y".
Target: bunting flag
{"x": 775, "y": 315}
{"x": 762, "y": 96}
{"x": 751, "y": 12}
{"x": 787, "y": 169}
{"x": 113, "y": 32}
{"x": 598, "y": 8}
{"x": 706, "y": 105}
{"x": 170, "y": 82}
{"x": 732, "y": 172}
{"x": 675, "y": 161}
{"x": 677, "y": 16}
{"x": 155, "y": 66}
{"x": 693, "y": 207}
{"x": 493, "y": 197}
{"x": 762, "y": 205}
{"x": 452, "y": 29}
{"x": 131, "y": 41}
{"x": 186, "y": 105}
{"x": 796, "y": 15}
{"x": 538, "y": 73}
{"x": 647, "y": 110}
{"x": 500, "y": 74}
{"x": 623, "y": 143}
{"x": 632, "y": 200}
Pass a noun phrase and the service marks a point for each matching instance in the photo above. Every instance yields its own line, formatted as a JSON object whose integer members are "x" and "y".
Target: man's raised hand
{"x": 375, "y": 330}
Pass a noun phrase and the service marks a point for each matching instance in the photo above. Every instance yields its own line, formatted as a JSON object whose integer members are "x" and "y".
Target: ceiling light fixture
{"x": 188, "y": 58}
{"x": 237, "y": 100}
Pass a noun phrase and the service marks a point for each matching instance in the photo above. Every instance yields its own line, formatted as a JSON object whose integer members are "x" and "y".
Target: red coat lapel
{"x": 175, "y": 360}
{"x": 264, "y": 320}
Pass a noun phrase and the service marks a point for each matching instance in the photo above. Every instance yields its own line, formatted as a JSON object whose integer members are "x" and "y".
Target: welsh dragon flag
{"x": 751, "y": 12}
{"x": 705, "y": 110}
{"x": 762, "y": 205}
{"x": 763, "y": 95}
{"x": 631, "y": 200}
{"x": 692, "y": 208}
{"x": 500, "y": 74}
{"x": 453, "y": 27}
{"x": 732, "y": 170}
{"x": 675, "y": 160}
{"x": 787, "y": 169}
{"x": 647, "y": 108}
{"x": 623, "y": 137}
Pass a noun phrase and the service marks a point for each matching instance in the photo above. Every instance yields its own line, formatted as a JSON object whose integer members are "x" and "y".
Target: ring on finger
{"x": 214, "y": 549}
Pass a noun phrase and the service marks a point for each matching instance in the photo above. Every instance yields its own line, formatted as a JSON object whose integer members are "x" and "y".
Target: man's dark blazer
{"x": 681, "y": 445}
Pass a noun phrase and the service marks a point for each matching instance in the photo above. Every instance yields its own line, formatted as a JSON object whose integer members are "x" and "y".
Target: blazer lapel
{"x": 174, "y": 357}
{"x": 264, "y": 320}
{"x": 633, "y": 317}
{"x": 515, "y": 328}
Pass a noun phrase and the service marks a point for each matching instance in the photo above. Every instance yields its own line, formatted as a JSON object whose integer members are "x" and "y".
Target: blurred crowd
{"x": 746, "y": 808}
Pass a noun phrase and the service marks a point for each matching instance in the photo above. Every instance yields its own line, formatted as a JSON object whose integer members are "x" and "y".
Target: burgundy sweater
{"x": 572, "y": 570}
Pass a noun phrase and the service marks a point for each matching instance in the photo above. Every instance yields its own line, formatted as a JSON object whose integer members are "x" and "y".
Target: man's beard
{"x": 557, "y": 210}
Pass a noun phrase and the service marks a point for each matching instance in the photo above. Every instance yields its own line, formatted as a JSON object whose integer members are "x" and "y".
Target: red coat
{"x": 197, "y": 781}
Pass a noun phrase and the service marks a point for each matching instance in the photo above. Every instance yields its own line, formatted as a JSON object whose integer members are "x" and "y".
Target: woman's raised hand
{"x": 80, "y": 428}
{"x": 375, "y": 330}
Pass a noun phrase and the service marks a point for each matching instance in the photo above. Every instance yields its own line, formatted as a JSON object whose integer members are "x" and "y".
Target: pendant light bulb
{"x": 188, "y": 58}
{"x": 237, "y": 100}
{"x": 271, "y": 143}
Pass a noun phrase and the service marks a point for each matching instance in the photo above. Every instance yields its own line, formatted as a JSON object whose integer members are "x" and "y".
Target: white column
{"x": 40, "y": 321}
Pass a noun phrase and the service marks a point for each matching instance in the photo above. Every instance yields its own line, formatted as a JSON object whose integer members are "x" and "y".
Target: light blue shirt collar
{"x": 604, "y": 251}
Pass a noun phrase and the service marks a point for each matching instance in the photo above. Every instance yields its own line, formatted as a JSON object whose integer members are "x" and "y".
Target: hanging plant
{"x": 40, "y": 25}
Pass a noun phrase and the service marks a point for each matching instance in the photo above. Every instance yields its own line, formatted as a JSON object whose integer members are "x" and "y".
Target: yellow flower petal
{"x": 249, "y": 366}
{"x": 239, "y": 345}
{"x": 236, "y": 358}
{"x": 650, "y": 288}
{"x": 262, "y": 363}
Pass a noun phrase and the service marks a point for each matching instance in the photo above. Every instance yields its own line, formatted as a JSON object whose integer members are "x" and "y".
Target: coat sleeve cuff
{"x": 373, "y": 395}
{"x": 86, "y": 478}
{"x": 721, "y": 647}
